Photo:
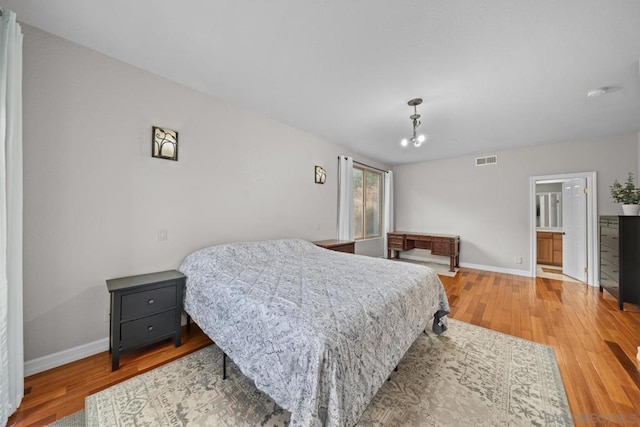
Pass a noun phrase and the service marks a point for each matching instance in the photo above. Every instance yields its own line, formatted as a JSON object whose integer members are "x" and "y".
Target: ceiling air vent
{"x": 487, "y": 160}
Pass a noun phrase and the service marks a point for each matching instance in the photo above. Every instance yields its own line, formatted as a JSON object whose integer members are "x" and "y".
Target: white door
{"x": 574, "y": 228}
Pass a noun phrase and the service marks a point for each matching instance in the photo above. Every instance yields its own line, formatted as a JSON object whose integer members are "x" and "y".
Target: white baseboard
{"x": 65, "y": 356}
{"x": 513, "y": 271}
{"x": 524, "y": 273}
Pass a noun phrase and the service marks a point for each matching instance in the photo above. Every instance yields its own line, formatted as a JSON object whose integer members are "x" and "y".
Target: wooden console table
{"x": 439, "y": 244}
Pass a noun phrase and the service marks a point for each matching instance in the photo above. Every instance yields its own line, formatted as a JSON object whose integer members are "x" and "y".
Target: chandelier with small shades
{"x": 416, "y": 140}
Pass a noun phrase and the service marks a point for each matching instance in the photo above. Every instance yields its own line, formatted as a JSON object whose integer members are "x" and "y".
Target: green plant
{"x": 627, "y": 194}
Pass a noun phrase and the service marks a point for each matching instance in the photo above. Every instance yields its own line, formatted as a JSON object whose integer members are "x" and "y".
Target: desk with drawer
{"x": 145, "y": 309}
{"x": 439, "y": 244}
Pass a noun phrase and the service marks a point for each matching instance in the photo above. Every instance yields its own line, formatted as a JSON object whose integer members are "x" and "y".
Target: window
{"x": 367, "y": 203}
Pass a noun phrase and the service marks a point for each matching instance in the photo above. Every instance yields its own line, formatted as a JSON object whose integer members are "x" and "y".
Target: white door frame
{"x": 593, "y": 266}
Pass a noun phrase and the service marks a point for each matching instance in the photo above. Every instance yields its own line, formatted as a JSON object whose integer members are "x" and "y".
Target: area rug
{"x": 467, "y": 376}
{"x": 74, "y": 420}
{"x": 441, "y": 269}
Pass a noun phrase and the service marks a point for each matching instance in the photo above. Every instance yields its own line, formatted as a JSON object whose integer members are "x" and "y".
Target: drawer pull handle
{"x": 151, "y": 301}
{"x": 150, "y": 328}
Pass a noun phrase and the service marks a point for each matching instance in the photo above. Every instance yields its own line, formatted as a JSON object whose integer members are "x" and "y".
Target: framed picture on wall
{"x": 321, "y": 175}
{"x": 164, "y": 143}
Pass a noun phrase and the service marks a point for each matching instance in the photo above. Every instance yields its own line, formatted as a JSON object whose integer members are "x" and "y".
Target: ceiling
{"x": 494, "y": 75}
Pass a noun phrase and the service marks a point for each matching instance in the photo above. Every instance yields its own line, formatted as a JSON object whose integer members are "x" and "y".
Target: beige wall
{"x": 94, "y": 199}
{"x": 489, "y": 206}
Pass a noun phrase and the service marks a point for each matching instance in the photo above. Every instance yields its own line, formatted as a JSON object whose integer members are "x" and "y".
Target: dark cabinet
{"x": 144, "y": 309}
{"x": 620, "y": 258}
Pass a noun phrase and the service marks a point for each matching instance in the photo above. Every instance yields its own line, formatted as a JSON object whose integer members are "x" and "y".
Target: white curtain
{"x": 11, "y": 341}
{"x": 345, "y": 198}
{"x": 388, "y": 207}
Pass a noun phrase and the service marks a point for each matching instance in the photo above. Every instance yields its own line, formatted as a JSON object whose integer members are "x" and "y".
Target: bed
{"x": 318, "y": 331}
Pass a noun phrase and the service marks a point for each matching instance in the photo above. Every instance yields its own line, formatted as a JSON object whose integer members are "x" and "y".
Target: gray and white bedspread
{"x": 318, "y": 331}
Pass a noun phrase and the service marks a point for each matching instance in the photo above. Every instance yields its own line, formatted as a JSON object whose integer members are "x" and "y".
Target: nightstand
{"x": 145, "y": 309}
{"x": 348, "y": 246}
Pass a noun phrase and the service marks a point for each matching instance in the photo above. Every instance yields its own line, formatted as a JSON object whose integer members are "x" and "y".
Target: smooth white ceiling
{"x": 494, "y": 75}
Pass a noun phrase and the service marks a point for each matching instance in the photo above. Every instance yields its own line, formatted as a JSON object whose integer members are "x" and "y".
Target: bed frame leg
{"x": 224, "y": 366}
{"x": 395, "y": 370}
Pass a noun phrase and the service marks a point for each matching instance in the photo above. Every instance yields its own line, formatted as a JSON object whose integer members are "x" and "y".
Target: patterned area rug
{"x": 74, "y": 420}
{"x": 467, "y": 376}
{"x": 441, "y": 269}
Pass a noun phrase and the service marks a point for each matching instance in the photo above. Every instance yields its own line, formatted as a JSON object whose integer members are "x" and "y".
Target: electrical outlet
{"x": 105, "y": 316}
{"x": 518, "y": 260}
{"x": 162, "y": 235}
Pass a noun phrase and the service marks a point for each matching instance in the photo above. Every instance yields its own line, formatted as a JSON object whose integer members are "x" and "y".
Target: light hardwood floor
{"x": 595, "y": 345}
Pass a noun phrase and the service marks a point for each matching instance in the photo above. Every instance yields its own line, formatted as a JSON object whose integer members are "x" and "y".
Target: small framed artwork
{"x": 164, "y": 143}
{"x": 321, "y": 175}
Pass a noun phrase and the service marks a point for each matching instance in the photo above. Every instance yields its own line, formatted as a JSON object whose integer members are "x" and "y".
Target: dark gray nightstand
{"x": 144, "y": 309}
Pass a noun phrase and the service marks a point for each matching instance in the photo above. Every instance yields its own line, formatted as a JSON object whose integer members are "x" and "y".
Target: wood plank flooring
{"x": 595, "y": 345}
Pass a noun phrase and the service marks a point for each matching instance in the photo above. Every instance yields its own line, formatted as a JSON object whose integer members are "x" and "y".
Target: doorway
{"x": 573, "y": 218}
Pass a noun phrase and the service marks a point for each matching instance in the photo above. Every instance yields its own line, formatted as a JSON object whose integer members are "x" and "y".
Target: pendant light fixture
{"x": 416, "y": 140}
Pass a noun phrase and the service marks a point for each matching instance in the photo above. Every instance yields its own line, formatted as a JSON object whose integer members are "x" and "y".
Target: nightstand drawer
{"x": 148, "y": 302}
{"x": 349, "y": 248}
{"x": 147, "y": 329}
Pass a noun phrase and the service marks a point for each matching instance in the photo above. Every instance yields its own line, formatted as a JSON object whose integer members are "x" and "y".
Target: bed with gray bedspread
{"x": 318, "y": 331}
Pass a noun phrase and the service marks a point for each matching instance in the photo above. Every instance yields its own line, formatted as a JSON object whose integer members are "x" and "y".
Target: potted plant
{"x": 627, "y": 194}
